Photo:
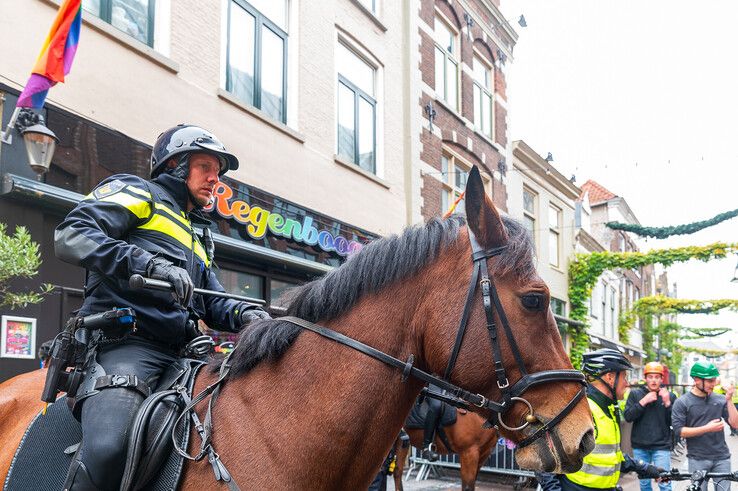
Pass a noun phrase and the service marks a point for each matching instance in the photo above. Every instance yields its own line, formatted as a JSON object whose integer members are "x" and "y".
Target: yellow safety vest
{"x": 718, "y": 389}
{"x": 601, "y": 468}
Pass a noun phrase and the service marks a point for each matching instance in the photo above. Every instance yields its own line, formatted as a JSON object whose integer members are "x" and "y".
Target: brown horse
{"x": 299, "y": 411}
{"x": 468, "y": 439}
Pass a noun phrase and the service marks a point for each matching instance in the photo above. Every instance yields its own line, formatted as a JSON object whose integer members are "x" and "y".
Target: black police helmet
{"x": 188, "y": 138}
{"x": 604, "y": 360}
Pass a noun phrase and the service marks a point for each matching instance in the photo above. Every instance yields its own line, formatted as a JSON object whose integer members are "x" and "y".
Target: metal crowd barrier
{"x": 501, "y": 461}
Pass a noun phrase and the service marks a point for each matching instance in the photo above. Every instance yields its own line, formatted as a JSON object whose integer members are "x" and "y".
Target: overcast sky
{"x": 643, "y": 98}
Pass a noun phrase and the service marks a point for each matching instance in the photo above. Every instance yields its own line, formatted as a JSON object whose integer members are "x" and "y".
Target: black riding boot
{"x": 78, "y": 479}
{"x": 429, "y": 430}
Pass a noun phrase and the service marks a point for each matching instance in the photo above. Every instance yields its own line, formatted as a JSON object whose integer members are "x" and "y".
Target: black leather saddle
{"x": 45, "y": 452}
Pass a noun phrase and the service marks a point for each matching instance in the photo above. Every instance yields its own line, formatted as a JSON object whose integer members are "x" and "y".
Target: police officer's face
{"x": 203, "y": 177}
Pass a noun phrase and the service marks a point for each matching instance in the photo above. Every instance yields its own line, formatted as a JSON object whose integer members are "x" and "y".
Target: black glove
{"x": 648, "y": 471}
{"x": 161, "y": 269}
{"x": 248, "y": 314}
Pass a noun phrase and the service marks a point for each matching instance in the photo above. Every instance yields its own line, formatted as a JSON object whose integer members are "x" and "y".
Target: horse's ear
{"x": 481, "y": 214}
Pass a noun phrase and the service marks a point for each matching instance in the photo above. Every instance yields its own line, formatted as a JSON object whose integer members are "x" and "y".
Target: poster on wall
{"x": 18, "y": 337}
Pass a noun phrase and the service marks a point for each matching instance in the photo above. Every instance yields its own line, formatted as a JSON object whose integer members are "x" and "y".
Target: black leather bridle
{"x": 510, "y": 394}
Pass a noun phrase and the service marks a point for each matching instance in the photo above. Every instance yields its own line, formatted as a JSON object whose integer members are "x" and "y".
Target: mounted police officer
{"x": 127, "y": 226}
{"x": 606, "y": 371}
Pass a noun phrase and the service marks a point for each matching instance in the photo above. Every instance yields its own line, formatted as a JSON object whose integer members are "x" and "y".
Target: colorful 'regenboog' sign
{"x": 258, "y": 221}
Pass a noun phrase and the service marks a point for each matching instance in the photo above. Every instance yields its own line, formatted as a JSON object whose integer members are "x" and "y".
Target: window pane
{"x": 444, "y": 36}
{"x": 239, "y": 283}
{"x": 461, "y": 205}
{"x": 356, "y": 70}
{"x": 553, "y": 217}
{"x": 529, "y": 201}
{"x": 92, "y": 6}
{"x": 272, "y": 73}
{"x": 558, "y": 306}
{"x": 451, "y": 96}
{"x": 241, "y": 54}
{"x": 445, "y": 201}
{"x": 274, "y": 10}
{"x": 530, "y": 224}
{"x": 440, "y": 74}
{"x": 553, "y": 248}
{"x": 346, "y": 122}
{"x": 132, "y": 17}
{"x": 366, "y": 135}
{"x": 480, "y": 73}
{"x": 277, "y": 289}
{"x": 460, "y": 177}
{"x": 477, "y": 107}
{"x": 444, "y": 169}
{"x": 487, "y": 115}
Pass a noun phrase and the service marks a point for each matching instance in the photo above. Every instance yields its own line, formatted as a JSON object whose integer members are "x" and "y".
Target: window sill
{"x": 260, "y": 115}
{"x": 124, "y": 39}
{"x": 342, "y": 161}
{"x": 489, "y": 140}
{"x": 453, "y": 111}
{"x": 370, "y": 14}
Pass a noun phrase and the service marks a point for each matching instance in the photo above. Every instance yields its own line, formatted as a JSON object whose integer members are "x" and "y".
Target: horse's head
{"x": 510, "y": 351}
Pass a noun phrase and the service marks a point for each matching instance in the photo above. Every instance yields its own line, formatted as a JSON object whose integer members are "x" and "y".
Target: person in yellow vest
{"x": 606, "y": 371}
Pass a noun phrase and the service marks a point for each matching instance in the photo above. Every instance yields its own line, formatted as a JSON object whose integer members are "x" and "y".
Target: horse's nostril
{"x": 587, "y": 443}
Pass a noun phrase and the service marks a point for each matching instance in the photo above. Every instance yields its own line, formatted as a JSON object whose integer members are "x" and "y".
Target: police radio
{"x": 70, "y": 348}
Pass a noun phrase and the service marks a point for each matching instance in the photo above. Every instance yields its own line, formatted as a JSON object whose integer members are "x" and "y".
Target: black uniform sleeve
{"x": 633, "y": 408}
{"x": 221, "y": 314}
{"x": 92, "y": 235}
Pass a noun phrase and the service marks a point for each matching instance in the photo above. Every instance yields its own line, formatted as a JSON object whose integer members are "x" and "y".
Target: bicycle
{"x": 698, "y": 477}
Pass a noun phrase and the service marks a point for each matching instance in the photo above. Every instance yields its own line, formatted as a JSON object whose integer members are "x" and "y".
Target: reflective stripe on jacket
{"x": 601, "y": 468}
{"x": 116, "y": 230}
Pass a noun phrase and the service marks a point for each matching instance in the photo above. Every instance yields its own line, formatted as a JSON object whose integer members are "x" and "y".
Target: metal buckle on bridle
{"x": 505, "y": 385}
{"x": 485, "y": 283}
{"x": 482, "y": 403}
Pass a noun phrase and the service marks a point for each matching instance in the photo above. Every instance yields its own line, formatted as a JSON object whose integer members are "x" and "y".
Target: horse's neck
{"x": 339, "y": 410}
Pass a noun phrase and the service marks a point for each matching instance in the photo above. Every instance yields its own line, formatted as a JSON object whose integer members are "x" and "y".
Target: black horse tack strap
{"x": 511, "y": 394}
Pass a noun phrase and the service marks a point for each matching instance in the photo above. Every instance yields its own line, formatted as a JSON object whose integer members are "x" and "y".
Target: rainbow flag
{"x": 56, "y": 56}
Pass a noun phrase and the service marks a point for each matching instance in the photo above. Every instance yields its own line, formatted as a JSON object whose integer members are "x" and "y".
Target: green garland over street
{"x": 664, "y": 232}
{"x": 585, "y": 269}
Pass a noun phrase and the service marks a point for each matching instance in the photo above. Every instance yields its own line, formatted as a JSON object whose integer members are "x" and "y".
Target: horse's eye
{"x": 533, "y": 301}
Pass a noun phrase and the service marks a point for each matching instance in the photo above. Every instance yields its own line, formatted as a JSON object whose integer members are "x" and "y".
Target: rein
{"x": 510, "y": 394}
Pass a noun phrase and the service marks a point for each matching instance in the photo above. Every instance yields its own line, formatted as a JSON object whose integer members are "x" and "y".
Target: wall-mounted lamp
{"x": 469, "y": 23}
{"x": 735, "y": 275}
{"x": 549, "y": 157}
{"x": 431, "y": 112}
{"x": 502, "y": 166}
{"x": 573, "y": 179}
{"x": 40, "y": 141}
{"x": 521, "y": 21}
{"x": 501, "y": 56}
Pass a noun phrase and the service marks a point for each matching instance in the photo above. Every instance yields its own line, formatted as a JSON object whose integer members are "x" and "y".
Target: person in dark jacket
{"x": 649, "y": 409}
{"x": 128, "y": 226}
{"x": 606, "y": 371}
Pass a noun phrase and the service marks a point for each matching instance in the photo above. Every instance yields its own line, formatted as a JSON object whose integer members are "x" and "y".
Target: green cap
{"x": 702, "y": 369}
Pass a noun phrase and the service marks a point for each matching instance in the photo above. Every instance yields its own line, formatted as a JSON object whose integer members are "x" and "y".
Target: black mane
{"x": 376, "y": 266}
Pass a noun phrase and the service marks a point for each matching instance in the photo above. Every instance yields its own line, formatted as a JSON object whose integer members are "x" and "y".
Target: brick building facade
{"x": 464, "y": 48}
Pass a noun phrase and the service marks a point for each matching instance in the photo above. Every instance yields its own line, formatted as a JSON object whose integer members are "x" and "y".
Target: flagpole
{"x": 6, "y": 136}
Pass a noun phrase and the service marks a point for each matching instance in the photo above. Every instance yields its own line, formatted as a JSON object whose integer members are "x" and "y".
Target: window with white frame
{"x": 447, "y": 65}
{"x": 554, "y": 235}
{"x": 454, "y": 174}
{"x": 483, "y": 89}
{"x": 357, "y": 109}
{"x": 603, "y": 309}
{"x": 530, "y": 211}
{"x": 613, "y": 320}
{"x": 133, "y": 17}
{"x": 256, "y": 57}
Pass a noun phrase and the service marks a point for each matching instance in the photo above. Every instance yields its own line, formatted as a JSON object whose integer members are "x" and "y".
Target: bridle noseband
{"x": 510, "y": 393}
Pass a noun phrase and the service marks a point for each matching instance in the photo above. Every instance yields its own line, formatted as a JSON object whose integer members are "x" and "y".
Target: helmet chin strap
{"x": 701, "y": 389}
{"x": 611, "y": 388}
